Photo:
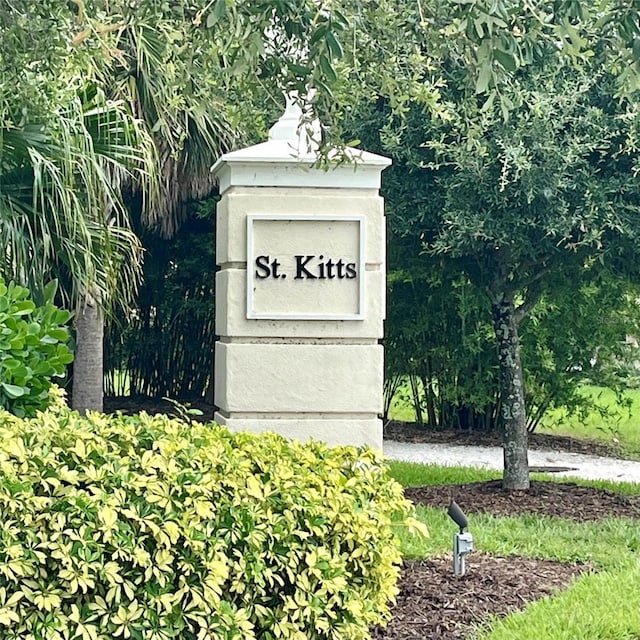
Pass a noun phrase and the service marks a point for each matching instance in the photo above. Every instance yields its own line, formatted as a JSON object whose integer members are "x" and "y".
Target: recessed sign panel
{"x": 305, "y": 267}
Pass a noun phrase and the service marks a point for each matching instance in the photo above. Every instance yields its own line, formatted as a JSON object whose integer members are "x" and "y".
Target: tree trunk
{"x": 516, "y": 463}
{"x": 87, "y": 394}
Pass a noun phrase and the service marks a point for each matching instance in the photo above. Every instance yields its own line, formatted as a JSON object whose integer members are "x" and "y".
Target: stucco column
{"x": 300, "y": 291}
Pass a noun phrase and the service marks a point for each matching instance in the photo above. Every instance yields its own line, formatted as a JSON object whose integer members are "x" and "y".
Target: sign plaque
{"x": 305, "y": 267}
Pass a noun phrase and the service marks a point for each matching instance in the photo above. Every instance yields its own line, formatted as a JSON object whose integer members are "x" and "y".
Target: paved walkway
{"x": 581, "y": 465}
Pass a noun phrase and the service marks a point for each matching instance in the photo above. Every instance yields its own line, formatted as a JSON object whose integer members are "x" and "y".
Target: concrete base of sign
{"x": 330, "y": 430}
{"x": 329, "y": 392}
{"x": 285, "y": 378}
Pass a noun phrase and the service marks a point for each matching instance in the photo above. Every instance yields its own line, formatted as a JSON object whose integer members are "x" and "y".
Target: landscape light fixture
{"x": 462, "y": 542}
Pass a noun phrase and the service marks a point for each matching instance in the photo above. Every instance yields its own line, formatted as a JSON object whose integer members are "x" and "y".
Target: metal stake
{"x": 462, "y": 545}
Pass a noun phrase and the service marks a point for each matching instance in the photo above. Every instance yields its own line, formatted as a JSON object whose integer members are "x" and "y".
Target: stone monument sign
{"x": 300, "y": 291}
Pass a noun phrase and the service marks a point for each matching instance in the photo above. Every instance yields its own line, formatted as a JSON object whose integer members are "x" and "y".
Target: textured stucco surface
{"x": 305, "y": 378}
{"x": 330, "y": 430}
{"x": 318, "y": 375}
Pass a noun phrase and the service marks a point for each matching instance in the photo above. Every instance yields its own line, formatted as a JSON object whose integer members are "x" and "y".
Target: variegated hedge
{"x": 150, "y": 528}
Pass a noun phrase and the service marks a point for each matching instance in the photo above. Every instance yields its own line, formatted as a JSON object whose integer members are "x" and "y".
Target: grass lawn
{"x": 603, "y": 604}
{"x": 622, "y": 428}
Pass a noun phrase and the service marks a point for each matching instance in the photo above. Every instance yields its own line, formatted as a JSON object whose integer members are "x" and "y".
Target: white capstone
{"x": 290, "y": 157}
{"x": 297, "y": 174}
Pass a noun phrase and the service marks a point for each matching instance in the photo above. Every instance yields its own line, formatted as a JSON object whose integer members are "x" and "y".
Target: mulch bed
{"x": 135, "y": 404}
{"x": 564, "y": 500}
{"x": 435, "y": 604}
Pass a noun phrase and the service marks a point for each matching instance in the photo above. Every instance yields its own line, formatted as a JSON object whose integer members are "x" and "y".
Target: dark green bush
{"x": 33, "y": 348}
{"x": 149, "y": 528}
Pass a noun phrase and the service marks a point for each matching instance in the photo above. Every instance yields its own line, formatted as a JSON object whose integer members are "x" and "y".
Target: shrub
{"x": 148, "y": 528}
{"x": 32, "y": 348}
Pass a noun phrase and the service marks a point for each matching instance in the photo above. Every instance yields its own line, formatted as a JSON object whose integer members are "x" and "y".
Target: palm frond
{"x": 60, "y": 198}
{"x": 190, "y": 130}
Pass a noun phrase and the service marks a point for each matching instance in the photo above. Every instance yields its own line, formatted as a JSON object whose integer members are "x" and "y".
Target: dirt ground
{"x": 433, "y": 604}
{"x": 135, "y": 404}
{"x": 405, "y": 432}
{"x": 564, "y": 500}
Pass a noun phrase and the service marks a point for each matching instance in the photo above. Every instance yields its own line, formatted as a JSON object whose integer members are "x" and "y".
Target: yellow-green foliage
{"x": 152, "y": 529}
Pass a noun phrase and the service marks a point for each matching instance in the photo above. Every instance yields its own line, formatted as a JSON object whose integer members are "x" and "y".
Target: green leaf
{"x": 44, "y": 369}
{"x": 10, "y": 363}
{"x": 507, "y": 60}
{"x": 16, "y": 343}
{"x": 61, "y": 316}
{"x": 66, "y": 358}
{"x": 318, "y": 34}
{"x": 484, "y": 78}
{"x": 327, "y": 68}
{"x": 488, "y": 104}
{"x": 219, "y": 9}
{"x": 23, "y": 308}
{"x": 299, "y": 69}
{"x": 335, "y": 48}
{"x": 477, "y": 23}
{"x": 323, "y": 86}
{"x": 34, "y": 328}
{"x": 62, "y": 335}
{"x": 13, "y": 390}
{"x": 50, "y": 290}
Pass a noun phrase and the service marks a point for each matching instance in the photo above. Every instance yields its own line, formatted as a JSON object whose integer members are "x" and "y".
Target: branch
{"x": 534, "y": 291}
{"x": 525, "y": 308}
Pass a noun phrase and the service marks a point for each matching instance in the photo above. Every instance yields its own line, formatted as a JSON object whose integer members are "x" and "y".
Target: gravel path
{"x": 580, "y": 465}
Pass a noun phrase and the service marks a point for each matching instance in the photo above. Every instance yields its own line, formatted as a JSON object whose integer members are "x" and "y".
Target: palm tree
{"x": 189, "y": 130}
{"x": 67, "y": 169}
{"x": 61, "y": 213}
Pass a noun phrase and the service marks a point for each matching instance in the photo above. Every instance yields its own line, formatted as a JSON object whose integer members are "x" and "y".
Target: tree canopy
{"x": 522, "y": 201}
